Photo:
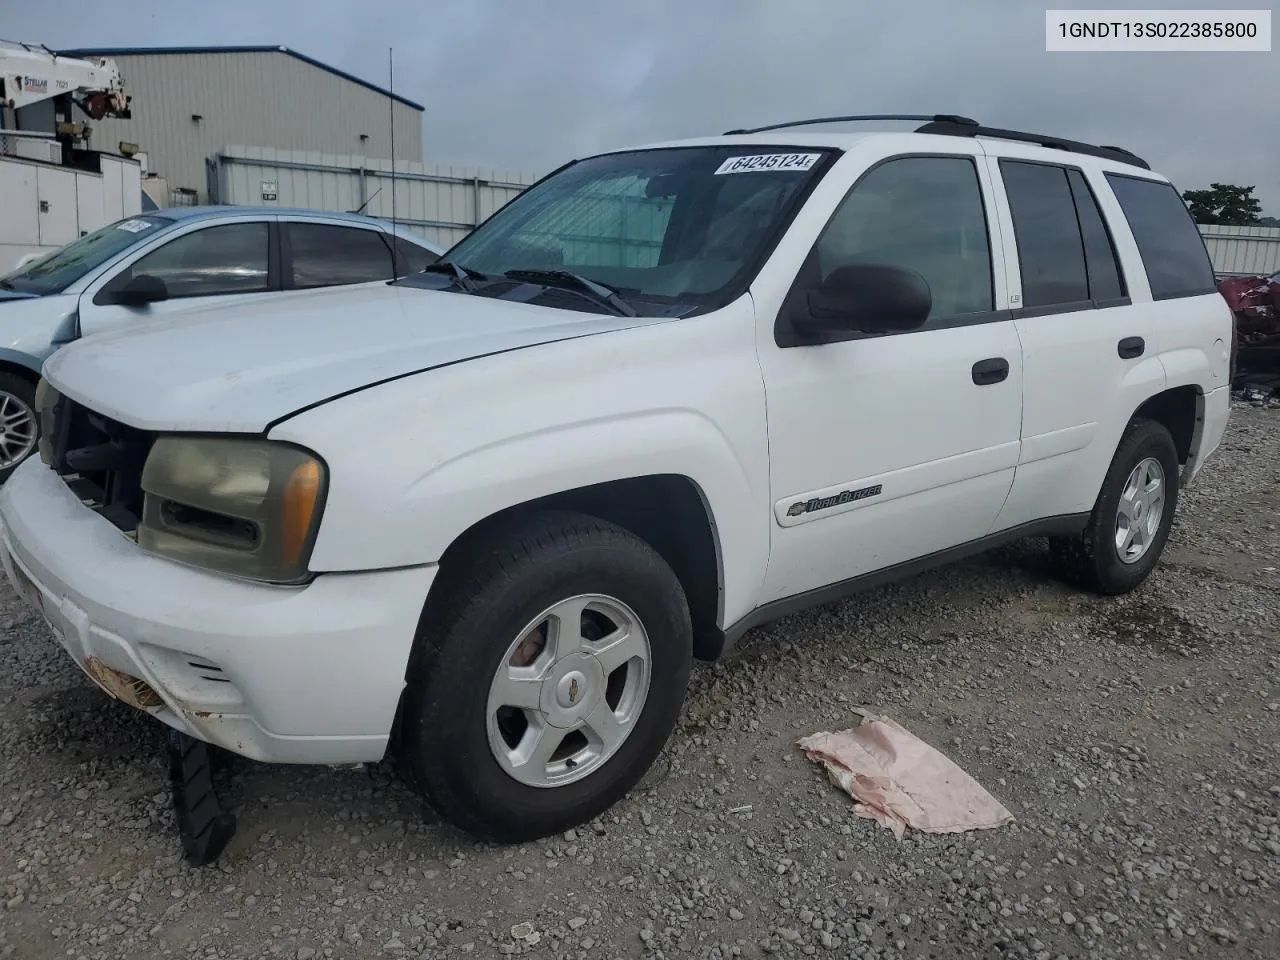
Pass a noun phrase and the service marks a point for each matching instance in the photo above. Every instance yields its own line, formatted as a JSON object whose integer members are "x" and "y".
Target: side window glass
{"x": 1050, "y": 249}
{"x": 227, "y": 259}
{"x": 325, "y": 255}
{"x": 923, "y": 213}
{"x": 412, "y": 258}
{"x": 1173, "y": 252}
{"x": 1105, "y": 279}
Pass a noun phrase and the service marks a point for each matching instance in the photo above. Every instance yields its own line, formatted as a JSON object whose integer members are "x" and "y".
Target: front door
{"x": 204, "y": 266}
{"x": 887, "y": 448}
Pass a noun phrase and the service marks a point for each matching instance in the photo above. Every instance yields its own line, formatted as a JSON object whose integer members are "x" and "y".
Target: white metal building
{"x": 1246, "y": 251}
{"x": 190, "y": 102}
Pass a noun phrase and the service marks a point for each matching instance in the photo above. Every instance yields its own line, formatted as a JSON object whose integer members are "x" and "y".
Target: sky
{"x": 528, "y": 84}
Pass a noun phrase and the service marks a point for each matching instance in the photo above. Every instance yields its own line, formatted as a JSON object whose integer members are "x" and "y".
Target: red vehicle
{"x": 1255, "y": 301}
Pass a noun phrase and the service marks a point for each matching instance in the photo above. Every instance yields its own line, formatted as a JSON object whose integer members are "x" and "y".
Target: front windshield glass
{"x": 66, "y": 265}
{"x": 684, "y": 225}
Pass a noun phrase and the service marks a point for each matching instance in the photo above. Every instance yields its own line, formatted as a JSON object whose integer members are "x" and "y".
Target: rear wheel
{"x": 1132, "y": 517}
{"x": 548, "y": 673}
{"x": 18, "y": 425}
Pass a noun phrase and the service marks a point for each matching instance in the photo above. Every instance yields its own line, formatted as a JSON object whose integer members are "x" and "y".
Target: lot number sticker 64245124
{"x": 769, "y": 161}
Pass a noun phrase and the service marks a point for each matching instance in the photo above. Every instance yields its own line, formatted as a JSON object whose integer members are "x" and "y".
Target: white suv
{"x": 663, "y": 396}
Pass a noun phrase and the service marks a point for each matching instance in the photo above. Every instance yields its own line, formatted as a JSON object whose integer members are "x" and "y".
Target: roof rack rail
{"x": 948, "y": 127}
{"x": 956, "y": 126}
{"x": 932, "y": 118}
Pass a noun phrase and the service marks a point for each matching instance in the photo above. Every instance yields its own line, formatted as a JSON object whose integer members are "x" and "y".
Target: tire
{"x": 17, "y": 397}
{"x": 1093, "y": 560}
{"x": 450, "y": 736}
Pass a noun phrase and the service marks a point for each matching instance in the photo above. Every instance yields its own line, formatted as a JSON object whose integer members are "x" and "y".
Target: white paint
{"x": 308, "y": 666}
{"x": 434, "y": 411}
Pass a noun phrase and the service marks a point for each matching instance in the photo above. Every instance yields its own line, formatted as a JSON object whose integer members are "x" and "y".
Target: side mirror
{"x": 871, "y": 298}
{"x": 140, "y": 291}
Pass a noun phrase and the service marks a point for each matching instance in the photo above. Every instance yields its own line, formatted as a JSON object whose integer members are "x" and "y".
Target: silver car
{"x": 163, "y": 262}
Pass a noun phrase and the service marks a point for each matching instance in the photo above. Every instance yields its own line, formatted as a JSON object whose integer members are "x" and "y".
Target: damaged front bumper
{"x": 309, "y": 674}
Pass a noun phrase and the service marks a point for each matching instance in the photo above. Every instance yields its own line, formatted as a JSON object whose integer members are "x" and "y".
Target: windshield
{"x": 57, "y": 271}
{"x": 686, "y": 226}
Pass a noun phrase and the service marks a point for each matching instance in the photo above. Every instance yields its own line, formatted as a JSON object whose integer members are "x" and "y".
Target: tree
{"x": 1224, "y": 204}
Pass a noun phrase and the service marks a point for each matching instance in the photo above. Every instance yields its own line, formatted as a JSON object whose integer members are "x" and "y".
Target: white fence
{"x": 1247, "y": 251}
{"x": 441, "y": 203}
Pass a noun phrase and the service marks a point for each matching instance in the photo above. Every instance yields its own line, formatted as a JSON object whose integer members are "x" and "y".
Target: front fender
{"x": 441, "y": 504}
{"x": 32, "y": 329}
{"x": 416, "y": 463}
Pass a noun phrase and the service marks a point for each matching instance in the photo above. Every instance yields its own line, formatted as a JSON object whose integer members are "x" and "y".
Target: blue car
{"x": 160, "y": 263}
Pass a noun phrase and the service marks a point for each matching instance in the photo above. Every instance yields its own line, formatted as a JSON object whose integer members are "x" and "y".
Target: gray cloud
{"x": 525, "y": 86}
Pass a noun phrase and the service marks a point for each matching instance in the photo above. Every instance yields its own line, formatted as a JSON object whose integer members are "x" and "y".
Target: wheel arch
{"x": 669, "y": 511}
{"x": 19, "y": 364}
{"x": 1180, "y": 410}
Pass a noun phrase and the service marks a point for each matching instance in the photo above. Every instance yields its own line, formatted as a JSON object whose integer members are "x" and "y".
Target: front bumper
{"x": 309, "y": 674}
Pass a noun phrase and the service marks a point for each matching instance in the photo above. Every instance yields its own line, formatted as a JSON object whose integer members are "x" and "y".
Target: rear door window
{"x": 1172, "y": 249}
{"x": 1106, "y": 282}
{"x": 325, "y": 255}
{"x": 1050, "y": 248}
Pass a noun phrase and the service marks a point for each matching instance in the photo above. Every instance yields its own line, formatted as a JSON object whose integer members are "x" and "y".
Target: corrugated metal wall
{"x": 1251, "y": 251}
{"x": 441, "y": 203}
{"x": 259, "y": 97}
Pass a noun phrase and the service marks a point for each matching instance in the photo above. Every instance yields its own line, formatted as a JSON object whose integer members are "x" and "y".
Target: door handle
{"x": 1131, "y": 347}
{"x": 986, "y": 372}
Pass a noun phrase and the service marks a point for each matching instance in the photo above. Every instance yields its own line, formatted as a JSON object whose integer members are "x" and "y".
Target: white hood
{"x": 241, "y": 368}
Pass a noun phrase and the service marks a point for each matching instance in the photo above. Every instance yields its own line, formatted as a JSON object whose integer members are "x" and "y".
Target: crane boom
{"x": 30, "y": 73}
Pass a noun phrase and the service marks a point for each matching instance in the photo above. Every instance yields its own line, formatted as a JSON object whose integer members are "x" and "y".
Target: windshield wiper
{"x": 464, "y": 277}
{"x": 601, "y": 293}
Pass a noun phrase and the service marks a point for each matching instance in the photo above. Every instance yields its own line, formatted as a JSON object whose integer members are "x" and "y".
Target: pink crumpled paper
{"x": 901, "y": 781}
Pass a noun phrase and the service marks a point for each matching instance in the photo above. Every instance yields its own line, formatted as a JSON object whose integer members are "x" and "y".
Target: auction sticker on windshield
{"x": 134, "y": 226}
{"x": 769, "y": 161}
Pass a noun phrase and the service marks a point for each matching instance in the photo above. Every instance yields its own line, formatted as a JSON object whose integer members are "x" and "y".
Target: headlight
{"x": 249, "y": 508}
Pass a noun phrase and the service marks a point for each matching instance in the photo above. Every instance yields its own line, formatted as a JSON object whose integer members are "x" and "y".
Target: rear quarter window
{"x": 1173, "y": 252}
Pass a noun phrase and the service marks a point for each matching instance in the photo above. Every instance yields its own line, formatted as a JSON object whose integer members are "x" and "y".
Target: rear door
{"x": 1090, "y": 334}
{"x": 1195, "y": 322}
{"x": 209, "y": 263}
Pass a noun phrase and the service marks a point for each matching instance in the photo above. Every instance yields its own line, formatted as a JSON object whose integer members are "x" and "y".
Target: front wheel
{"x": 547, "y": 675}
{"x": 1132, "y": 517}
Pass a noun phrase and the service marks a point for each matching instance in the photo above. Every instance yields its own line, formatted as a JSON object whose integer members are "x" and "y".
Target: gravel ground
{"x": 1135, "y": 740}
